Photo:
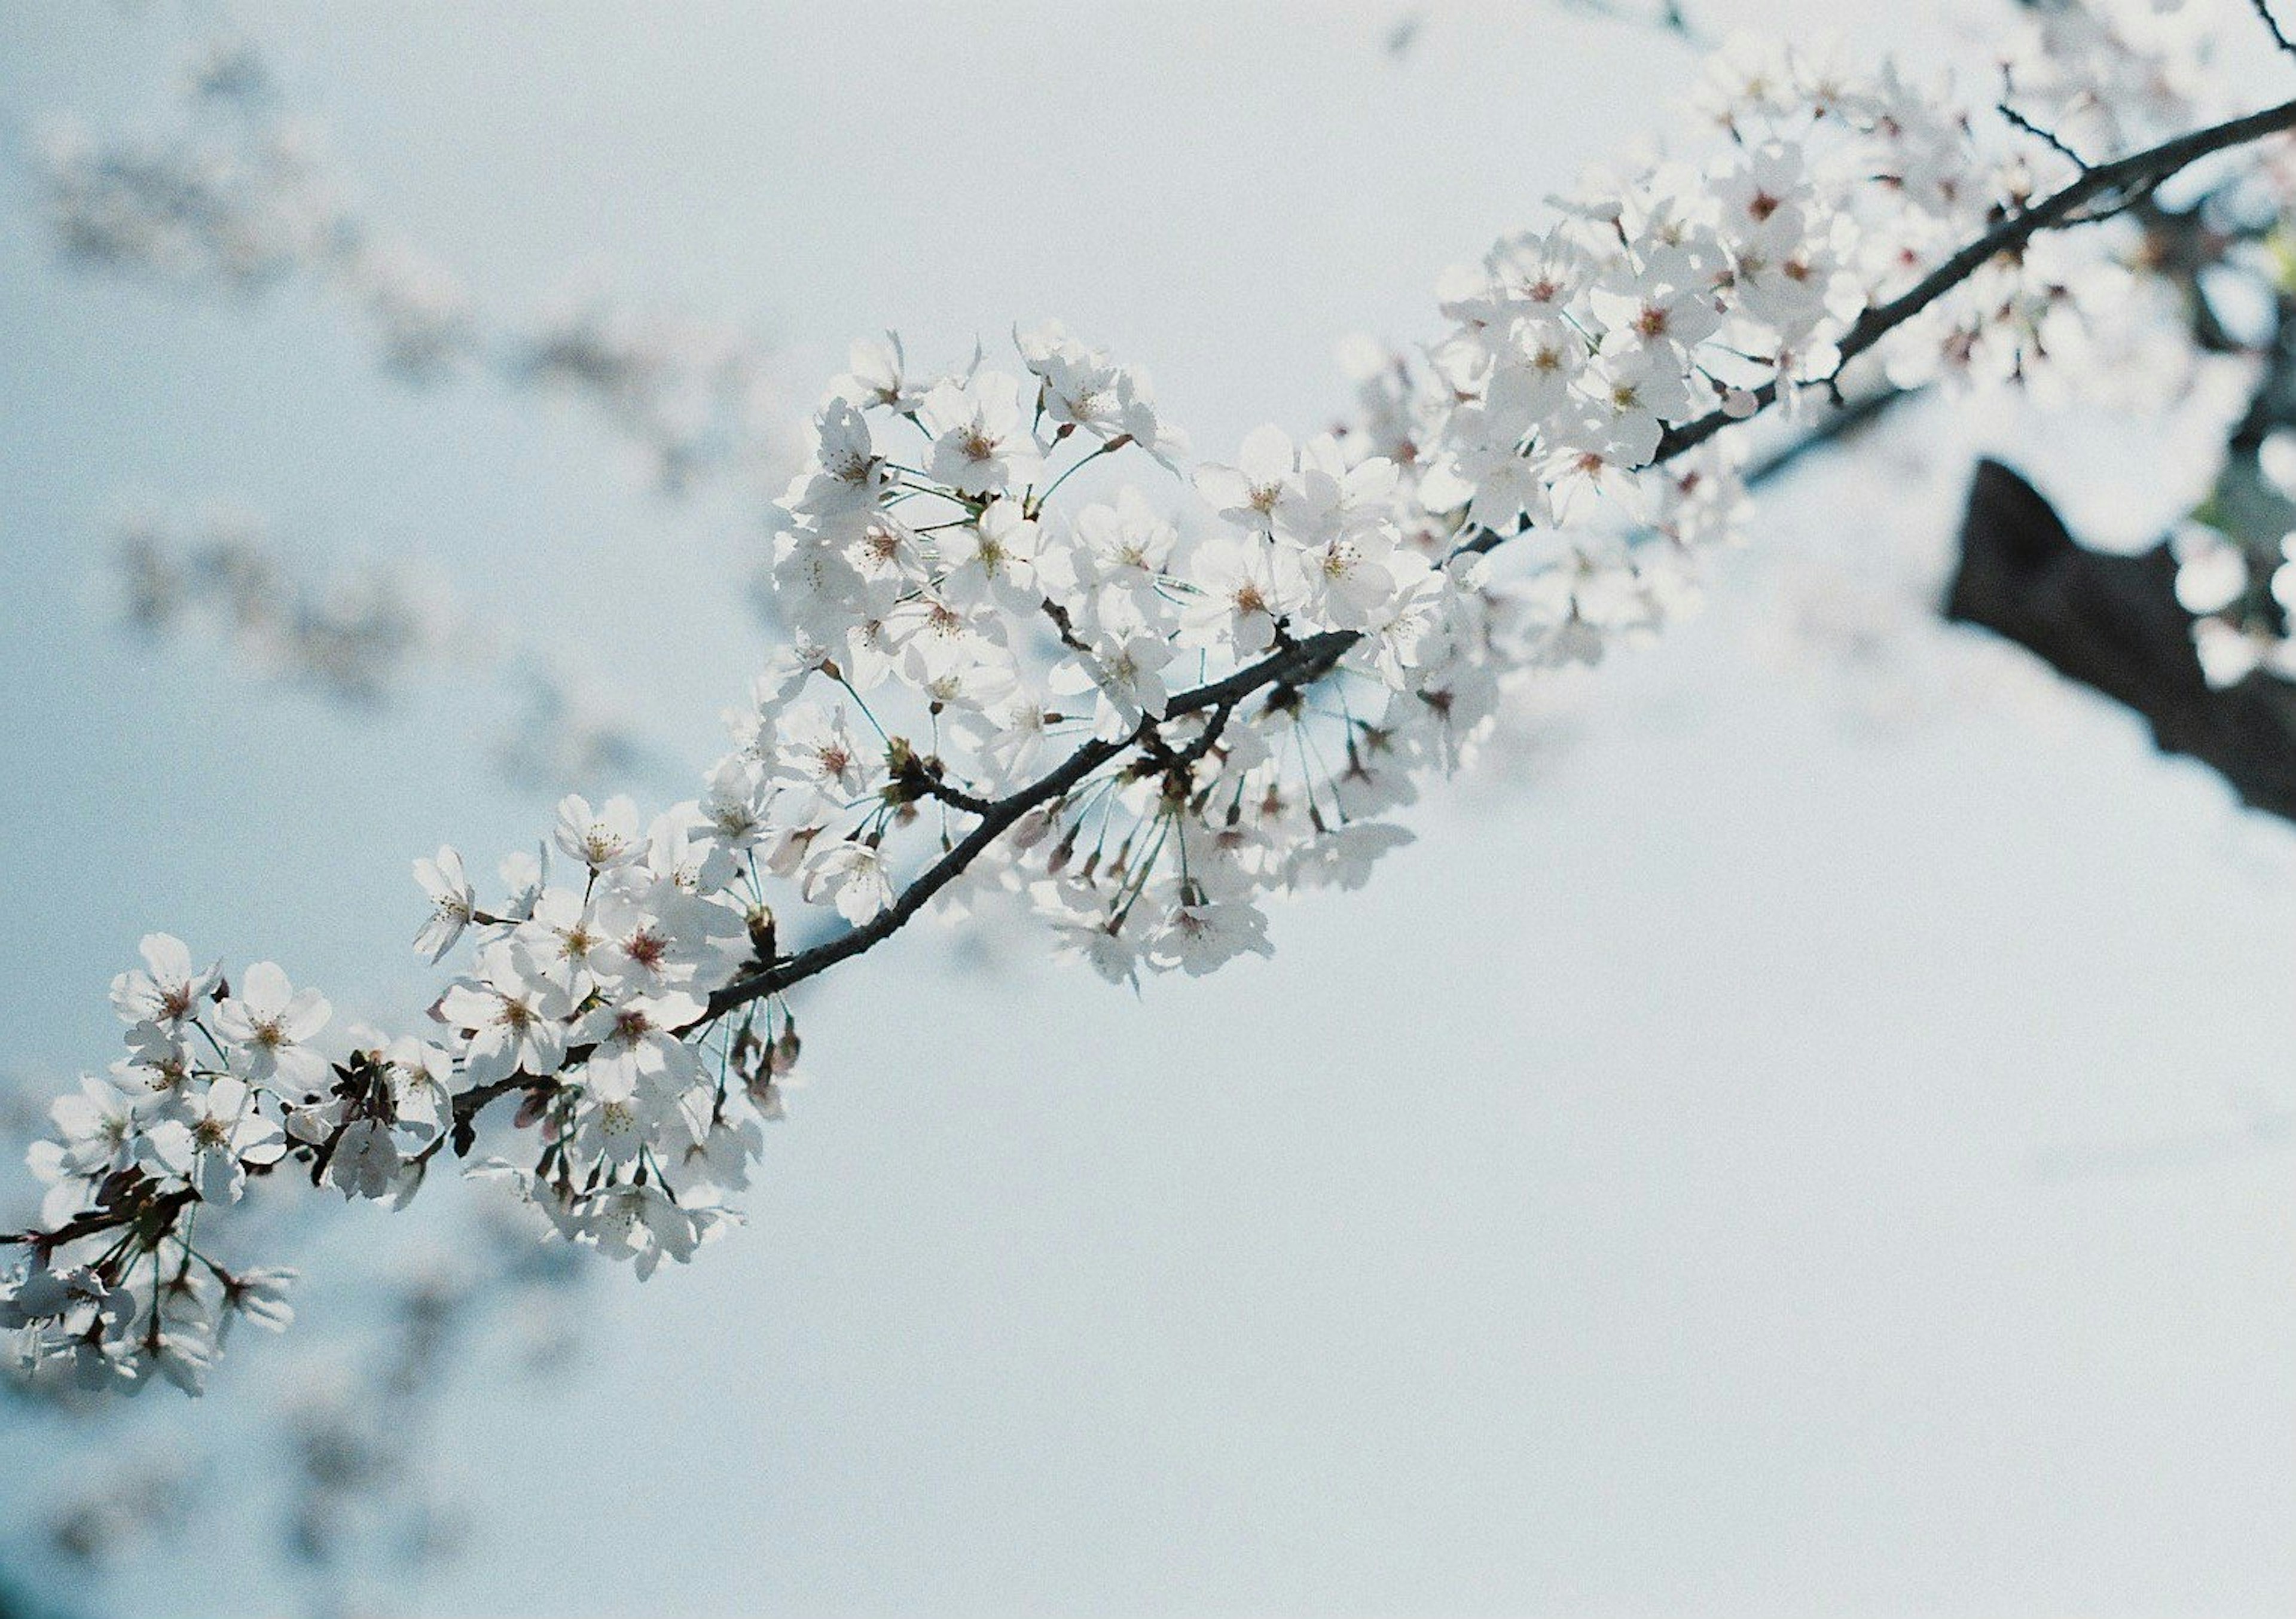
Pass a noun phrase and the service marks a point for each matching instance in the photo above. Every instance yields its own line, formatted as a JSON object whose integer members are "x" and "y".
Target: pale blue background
{"x": 1634, "y": 1204}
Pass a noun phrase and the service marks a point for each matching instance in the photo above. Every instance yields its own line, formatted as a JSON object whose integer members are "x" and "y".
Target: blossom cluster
{"x": 1137, "y": 712}
{"x": 223, "y": 1084}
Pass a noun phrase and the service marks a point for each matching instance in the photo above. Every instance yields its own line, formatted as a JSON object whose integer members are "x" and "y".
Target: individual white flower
{"x": 887, "y": 554}
{"x": 1244, "y": 587}
{"x": 1544, "y": 356}
{"x": 1010, "y": 738}
{"x": 643, "y": 1223}
{"x": 96, "y": 1130}
{"x": 1327, "y": 499}
{"x": 515, "y": 1018}
{"x": 849, "y": 475}
{"x": 1128, "y": 676}
{"x": 601, "y": 838}
{"x": 1349, "y": 587}
{"x": 877, "y": 375}
{"x": 156, "y": 1070}
{"x": 210, "y": 1149}
{"x": 1200, "y": 934}
{"x": 963, "y": 674}
{"x": 719, "y": 1162}
{"x": 818, "y": 591}
{"x": 981, "y": 442}
{"x": 1079, "y": 384}
{"x": 1084, "y": 924}
{"x": 366, "y": 1161}
{"x": 421, "y": 1076}
{"x": 1641, "y": 387}
{"x": 452, "y": 902}
{"x": 1341, "y": 857}
{"x": 737, "y": 803}
{"x": 562, "y": 937}
{"x": 260, "y": 1294}
{"x": 1083, "y": 388}
{"x": 1594, "y": 459}
{"x": 1668, "y": 300}
{"x": 662, "y": 948}
{"x": 633, "y": 1050}
{"x": 851, "y": 874}
{"x": 270, "y": 1026}
{"x": 1126, "y": 545}
{"x": 1247, "y": 491}
{"x": 990, "y": 562}
{"x": 1491, "y": 476}
{"x": 817, "y": 753}
{"x": 169, "y": 989}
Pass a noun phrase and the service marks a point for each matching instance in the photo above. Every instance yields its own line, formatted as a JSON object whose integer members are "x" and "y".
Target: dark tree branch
{"x": 2113, "y": 623}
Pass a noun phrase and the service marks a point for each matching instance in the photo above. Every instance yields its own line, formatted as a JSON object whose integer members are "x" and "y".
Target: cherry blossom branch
{"x": 1293, "y": 665}
{"x": 2119, "y": 183}
{"x": 637, "y": 1009}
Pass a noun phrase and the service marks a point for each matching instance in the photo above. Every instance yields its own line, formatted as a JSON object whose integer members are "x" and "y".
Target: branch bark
{"x": 2113, "y": 623}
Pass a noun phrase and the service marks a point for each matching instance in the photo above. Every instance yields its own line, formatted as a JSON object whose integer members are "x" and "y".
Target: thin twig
{"x": 2048, "y": 137}
{"x": 2263, "y": 9}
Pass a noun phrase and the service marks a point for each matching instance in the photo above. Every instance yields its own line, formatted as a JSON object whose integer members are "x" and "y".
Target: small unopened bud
{"x": 1032, "y": 828}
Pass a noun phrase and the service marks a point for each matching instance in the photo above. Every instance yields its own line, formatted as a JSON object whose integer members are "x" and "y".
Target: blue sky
{"x": 1728, "y": 1166}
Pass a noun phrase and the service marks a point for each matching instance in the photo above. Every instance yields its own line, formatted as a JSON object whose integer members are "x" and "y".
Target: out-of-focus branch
{"x": 1667, "y": 16}
{"x": 1845, "y": 421}
{"x": 2113, "y": 623}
